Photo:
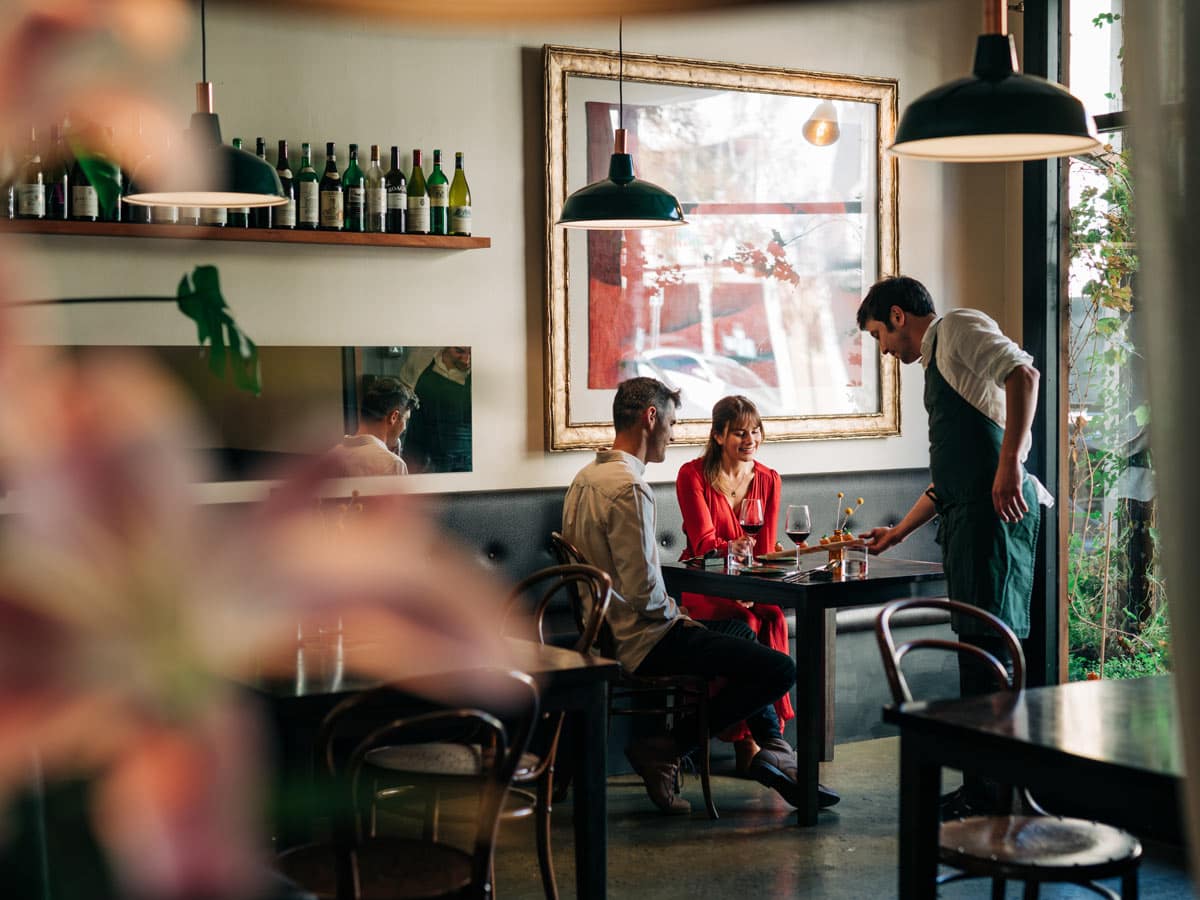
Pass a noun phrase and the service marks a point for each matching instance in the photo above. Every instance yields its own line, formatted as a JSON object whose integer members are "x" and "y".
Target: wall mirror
{"x": 312, "y": 396}
{"x": 757, "y": 295}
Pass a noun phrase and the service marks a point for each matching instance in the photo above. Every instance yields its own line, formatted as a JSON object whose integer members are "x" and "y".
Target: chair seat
{"x": 446, "y": 758}
{"x": 1042, "y": 848}
{"x": 388, "y": 869}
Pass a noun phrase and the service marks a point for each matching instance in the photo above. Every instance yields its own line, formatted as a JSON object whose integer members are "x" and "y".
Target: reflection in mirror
{"x": 375, "y": 410}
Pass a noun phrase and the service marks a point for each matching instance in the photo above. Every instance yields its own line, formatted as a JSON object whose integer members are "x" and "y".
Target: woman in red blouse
{"x": 711, "y": 490}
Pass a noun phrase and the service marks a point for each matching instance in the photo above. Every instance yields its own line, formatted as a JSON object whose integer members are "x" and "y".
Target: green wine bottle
{"x": 309, "y": 188}
{"x": 418, "y": 198}
{"x": 85, "y": 205}
{"x": 439, "y": 197}
{"x": 460, "y": 200}
{"x": 355, "y": 185}
{"x": 239, "y": 216}
{"x": 332, "y": 197}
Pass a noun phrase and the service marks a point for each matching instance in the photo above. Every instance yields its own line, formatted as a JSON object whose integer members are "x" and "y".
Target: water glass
{"x": 854, "y": 561}
{"x": 739, "y": 555}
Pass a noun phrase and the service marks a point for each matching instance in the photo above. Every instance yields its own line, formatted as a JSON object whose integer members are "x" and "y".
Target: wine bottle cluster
{"x": 357, "y": 199}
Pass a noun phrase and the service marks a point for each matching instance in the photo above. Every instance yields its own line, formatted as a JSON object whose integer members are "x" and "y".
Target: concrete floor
{"x": 754, "y": 850}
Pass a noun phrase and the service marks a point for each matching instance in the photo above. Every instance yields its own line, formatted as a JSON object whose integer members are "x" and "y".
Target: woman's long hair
{"x": 728, "y": 412}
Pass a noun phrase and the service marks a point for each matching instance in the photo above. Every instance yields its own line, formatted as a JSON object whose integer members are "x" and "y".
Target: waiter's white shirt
{"x": 975, "y": 358}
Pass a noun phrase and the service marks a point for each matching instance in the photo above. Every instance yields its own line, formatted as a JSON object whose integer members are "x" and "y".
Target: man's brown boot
{"x": 775, "y": 766}
{"x": 656, "y": 760}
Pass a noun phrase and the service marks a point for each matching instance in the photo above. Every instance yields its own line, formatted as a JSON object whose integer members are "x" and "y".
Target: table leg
{"x": 810, "y": 692}
{"x": 590, "y": 751}
{"x": 829, "y": 685}
{"x": 920, "y": 788}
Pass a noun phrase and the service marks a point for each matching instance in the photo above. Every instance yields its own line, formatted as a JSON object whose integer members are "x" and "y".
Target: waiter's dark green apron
{"x": 988, "y": 562}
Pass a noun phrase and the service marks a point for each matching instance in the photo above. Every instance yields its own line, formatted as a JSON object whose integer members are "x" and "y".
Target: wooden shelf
{"x": 213, "y": 233}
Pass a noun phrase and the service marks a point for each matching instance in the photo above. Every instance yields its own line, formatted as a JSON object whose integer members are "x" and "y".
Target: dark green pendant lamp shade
{"x": 995, "y": 115}
{"x": 621, "y": 201}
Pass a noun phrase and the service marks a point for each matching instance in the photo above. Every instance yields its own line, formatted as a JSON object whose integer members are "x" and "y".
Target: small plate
{"x": 764, "y": 571}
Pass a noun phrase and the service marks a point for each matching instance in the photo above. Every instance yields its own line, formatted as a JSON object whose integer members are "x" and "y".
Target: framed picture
{"x": 791, "y": 209}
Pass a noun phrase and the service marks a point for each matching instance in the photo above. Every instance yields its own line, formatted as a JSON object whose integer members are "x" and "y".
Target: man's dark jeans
{"x": 755, "y": 676}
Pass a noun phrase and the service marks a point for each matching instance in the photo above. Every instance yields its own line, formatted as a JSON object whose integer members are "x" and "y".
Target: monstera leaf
{"x": 229, "y": 350}
{"x": 105, "y": 177}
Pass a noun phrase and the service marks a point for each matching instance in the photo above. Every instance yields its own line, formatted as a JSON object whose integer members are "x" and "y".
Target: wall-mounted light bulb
{"x": 822, "y": 128}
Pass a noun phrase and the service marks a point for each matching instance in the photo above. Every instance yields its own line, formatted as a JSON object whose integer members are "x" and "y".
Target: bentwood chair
{"x": 1033, "y": 849}
{"x": 358, "y": 865}
{"x": 636, "y": 695}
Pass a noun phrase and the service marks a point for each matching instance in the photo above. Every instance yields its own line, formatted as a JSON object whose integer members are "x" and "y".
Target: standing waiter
{"x": 980, "y": 394}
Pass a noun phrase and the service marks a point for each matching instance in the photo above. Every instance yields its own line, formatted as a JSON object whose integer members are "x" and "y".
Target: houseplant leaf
{"x": 200, "y": 299}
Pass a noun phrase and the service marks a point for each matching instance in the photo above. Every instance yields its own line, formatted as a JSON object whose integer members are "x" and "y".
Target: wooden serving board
{"x": 779, "y": 555}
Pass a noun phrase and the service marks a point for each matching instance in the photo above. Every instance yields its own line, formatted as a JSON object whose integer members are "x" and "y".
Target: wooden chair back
{"x": 587, "y": 589}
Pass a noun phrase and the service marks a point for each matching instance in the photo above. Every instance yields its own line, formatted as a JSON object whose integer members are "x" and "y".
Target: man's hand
{"x": 880, "y": 539}
{"x": 1007, "y": 499}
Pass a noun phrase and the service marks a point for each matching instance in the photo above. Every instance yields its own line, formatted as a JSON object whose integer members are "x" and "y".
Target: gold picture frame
{"x": 757, "y": 294}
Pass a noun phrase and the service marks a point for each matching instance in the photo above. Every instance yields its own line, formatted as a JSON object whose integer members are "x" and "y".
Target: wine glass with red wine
{"x": 751, "y": 516}
{"x": 798, "y": 526}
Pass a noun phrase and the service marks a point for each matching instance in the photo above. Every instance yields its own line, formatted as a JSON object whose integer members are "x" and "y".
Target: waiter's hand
{"x": 1007, "y": 499}
{"x": 880, "y": 539}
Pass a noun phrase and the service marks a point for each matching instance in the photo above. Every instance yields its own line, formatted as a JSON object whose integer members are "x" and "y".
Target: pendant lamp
{"x": 229, "y": 177}
{"x": 621, "y": 201}
{"x": 995, "y": 114}
{"x": 822, "y": 127}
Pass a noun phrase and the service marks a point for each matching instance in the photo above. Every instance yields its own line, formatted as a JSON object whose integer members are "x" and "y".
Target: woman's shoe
{"x": 744, "y": 752}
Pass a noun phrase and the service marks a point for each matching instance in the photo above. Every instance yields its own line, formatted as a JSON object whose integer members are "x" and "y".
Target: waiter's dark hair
{"x": 899, "y": 290}
{"x": 637, "y": 395}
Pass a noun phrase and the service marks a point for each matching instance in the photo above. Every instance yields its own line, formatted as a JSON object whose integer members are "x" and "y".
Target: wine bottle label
{"x": 310, "y": 205}
{"x": 240, "y": 210}
{"x": 84, "y": 203}
{"x": 377, "y": 202}
{"x": 397, "y": 200}
{"x": 460, "y": 220}
{"x": 285, "y": 216}
{"x": 164, "y": 215}
{"x": 31, "y": 200}
{"x": 215, "y": 216}
{"x": 418, "y": 212}
{"x": 439, "y": 194}
{"x": 332, "y": 210}
{"x": 189, "y": 215}
{"x": 356, "y": 199}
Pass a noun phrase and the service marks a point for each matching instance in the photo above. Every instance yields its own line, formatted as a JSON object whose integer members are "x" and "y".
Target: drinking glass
{"x": 798, "y": 526}
{"x": 854, "y": 561}
{"x": 751, "y": 517}
{"x": 739, "y": 555}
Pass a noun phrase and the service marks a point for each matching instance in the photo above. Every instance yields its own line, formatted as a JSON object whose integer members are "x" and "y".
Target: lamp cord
{"x": 621, "y": 72}
{"x": 203, "y": 46}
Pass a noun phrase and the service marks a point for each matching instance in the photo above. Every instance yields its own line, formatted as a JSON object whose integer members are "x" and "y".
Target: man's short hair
{"x": 637, "y": 395}
{"x": 382, "y": 394}
{"x": 899, "y": 290}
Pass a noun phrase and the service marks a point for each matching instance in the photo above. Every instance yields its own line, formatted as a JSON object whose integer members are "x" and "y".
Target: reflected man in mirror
{"x": 386, "y": 406}
{"x": 439, "y": 436}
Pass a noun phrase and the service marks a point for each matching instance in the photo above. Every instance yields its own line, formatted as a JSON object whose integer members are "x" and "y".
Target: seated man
{"x": 386, "y": 405}
{"x": 609, "y": 515}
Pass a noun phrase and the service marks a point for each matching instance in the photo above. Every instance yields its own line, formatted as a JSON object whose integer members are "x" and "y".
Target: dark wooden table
{"x": 1110, "y": 746}
{"x": 815, "y": 603}
{"x": 566, "y": 680}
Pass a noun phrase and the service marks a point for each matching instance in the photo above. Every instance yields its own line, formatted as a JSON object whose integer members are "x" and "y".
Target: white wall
{"x": 480, "y": 92}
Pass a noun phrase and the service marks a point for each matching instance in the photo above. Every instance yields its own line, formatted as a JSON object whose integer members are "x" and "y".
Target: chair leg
{"x": 545, "y": 791}
{"x": 1129, "y": 885}
{"x": 998, "y": 886}
{"x": 429, "y": 828}
{"x": 705, "y": 756}
{"x": 1032, "y": 890}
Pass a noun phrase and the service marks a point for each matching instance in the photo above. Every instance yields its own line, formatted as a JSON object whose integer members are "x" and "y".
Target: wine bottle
{"x": 165, "y": 215}
{"x": 439, "y": 197}
{"x": 285, "y": 216}
{"x": 418, "y": 199}
{"x": 332, "y": 196}
{"x": 217, "y": 216}
{"x": 355, "y": 186}
{"x": 31, "y": 183}
{"x": 397, "y": 195}
{"x": 58, "y": 177}
{"x": 261, "y": 215}
{"x": 376, "y": 195}
{"x": 186, "y": 215}
{"x": 116, "y": 214}
{"x": 460, "y": 200}
{"x": 308, "y": 182}
{"x": 239, "y": 216}
{"x": 7, "y": 180}
{"x": 85, "y": 205}
{"x": 135, "y": 212}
